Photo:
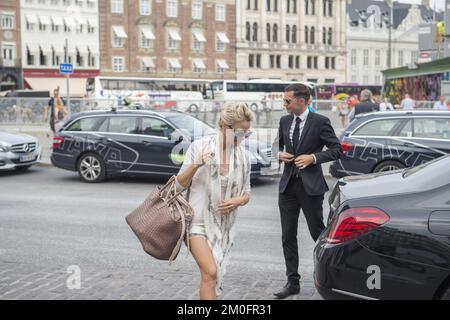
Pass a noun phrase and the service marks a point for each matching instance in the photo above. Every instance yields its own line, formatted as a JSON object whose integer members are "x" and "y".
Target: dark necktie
{"x": 296, "y": 135}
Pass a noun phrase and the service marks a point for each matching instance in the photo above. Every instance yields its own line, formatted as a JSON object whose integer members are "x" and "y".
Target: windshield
{"x": 195, "y": 127}
{"x": 439, "y": 165}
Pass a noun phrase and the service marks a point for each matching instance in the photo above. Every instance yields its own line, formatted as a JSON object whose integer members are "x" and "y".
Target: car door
{"x": 157, "y": 152}
{"x": 121, "y": 143}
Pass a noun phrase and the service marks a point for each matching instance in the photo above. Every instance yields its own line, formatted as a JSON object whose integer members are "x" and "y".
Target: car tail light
{"x": 346, "y": 146}
{"x": 57, "y": 141}
{"x": 354, "y": 222}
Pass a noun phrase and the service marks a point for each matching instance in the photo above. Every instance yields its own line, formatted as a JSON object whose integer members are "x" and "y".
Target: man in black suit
{"x": 366, "y": 105}
{"x": 301, "y": 138}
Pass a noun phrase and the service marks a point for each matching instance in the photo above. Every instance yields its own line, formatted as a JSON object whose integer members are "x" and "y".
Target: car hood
{"x": 375, "y": 185}
{"x": 15, "y": 138}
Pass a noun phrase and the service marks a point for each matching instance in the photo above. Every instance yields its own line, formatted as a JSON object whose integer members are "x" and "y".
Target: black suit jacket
{"x": 317, "y": 133}
{"x": 366, "y": 106}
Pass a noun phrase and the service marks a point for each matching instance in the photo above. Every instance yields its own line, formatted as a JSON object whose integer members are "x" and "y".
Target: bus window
{"x": 217, "y": 86}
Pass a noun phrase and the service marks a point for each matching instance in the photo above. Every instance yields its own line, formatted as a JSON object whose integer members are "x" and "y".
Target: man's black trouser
{"x": 290, "y": 202}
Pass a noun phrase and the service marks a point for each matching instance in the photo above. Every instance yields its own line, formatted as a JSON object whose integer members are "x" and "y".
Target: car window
{"x": 86, "y": 124}
{"x": 377, "y": 128}
{"x": 123, "y": 124}
{"x": 407, "y": 130}
{"x": 155, "y": 127}
{"x": 437, "y": 128}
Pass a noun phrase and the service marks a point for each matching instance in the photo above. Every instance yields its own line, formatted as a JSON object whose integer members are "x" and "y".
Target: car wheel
{"x": 254, "y": 107}
{"x": 23, "y": 168}
{"x": 91, "y": 168}
{"x": 388, "y": 166}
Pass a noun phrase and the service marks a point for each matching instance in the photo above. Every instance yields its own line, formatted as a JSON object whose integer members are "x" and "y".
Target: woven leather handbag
{"x": 162, "y": 221}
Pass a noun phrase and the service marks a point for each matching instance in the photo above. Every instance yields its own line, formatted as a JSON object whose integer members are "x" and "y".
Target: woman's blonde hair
{"x": 235, "y": 112}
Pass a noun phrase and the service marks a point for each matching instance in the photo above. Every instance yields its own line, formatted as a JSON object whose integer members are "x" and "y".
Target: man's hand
{"x": 286, "y": 157}
{"x": 230, "y": 205}
{"x": 304, "y": 161}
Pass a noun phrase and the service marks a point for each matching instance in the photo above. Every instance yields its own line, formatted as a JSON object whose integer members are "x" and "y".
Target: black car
{"x": 388, "y": 236}
{"x": 98, "y": 144}
{"x": 384, "y": 141}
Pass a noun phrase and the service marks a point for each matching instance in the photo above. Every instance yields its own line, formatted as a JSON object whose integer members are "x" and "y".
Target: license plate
{"x": 274, "y": 165}
{"x": 26, "y": 158}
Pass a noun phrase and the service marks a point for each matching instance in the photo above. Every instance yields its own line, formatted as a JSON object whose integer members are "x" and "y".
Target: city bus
{"x": 333, "y": 91}
{"x": 260, "y": 94}
{"x": 156, "y": 93}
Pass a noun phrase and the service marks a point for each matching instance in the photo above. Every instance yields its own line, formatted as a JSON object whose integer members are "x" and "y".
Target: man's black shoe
{"x": 288, "y": 290}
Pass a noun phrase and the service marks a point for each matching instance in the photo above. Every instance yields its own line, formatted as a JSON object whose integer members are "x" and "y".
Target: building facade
{"x": 10, "y": 46}
{"x": 300, "y": 40}
{"x": 55, "y": 32}
{"x": 168, "y": 38}
{"x": 368, "y": 39}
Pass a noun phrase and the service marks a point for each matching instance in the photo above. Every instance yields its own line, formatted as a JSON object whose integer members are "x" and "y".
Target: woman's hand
{"x": 230, "y": 205}
{"x": 203, "y": 158}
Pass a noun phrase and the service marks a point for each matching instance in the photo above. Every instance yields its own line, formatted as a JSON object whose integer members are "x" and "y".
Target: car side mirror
{"x": 176, "y": 136}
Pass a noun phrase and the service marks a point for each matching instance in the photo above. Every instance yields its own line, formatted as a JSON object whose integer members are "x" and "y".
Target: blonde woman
{"x": 216, "y": 169}
{"x": 56, "y": 112}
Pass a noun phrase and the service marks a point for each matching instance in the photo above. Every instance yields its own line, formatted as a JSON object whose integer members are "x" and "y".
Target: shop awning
{"x": 434, "y": 67}
{"x": 58, "y": 47}
{"x": 44, "y": 20}
{"x": 199, "y": 36}
{"x": 57, "y": 21}
{"x": 174, "y": 35}
{"x": 119, "y": 31}
{"x": 83, "y": 49}
{"x": 77, "y": 86}
{"x": 33, "y": 47}
{"x": 46, "y": 47}
{"x": 31, "y": 19}
{"x": 92, "y": 22}
{"x": 148, "y": 33}
{"x": 148, "y": 62}
{"x": 222, "y": 64}
{"x": 69, "y": 21}
{"x": 223, "y": 37}
{"x": 199, "y": 63}
{"x": 82, "y": 21}
{"x": 174, "y": 63}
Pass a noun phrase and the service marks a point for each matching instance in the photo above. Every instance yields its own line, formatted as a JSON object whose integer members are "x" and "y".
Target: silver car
{"x": 18, "y": 151}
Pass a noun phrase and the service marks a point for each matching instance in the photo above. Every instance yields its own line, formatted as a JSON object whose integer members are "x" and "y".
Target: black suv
{"x": 384, "y": 141}
{"x": 98, "y": 144}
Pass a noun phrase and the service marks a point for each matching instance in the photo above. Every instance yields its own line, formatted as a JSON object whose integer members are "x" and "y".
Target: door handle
{"x": 147, "y": 143}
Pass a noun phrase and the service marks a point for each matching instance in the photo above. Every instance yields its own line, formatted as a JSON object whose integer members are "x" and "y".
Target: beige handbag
{"x": 162, "y": 221}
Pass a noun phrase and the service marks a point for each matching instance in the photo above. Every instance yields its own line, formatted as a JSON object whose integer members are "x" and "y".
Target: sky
{"x": 439, "y": 3}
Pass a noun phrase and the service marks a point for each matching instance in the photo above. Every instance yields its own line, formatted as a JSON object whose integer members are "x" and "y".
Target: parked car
{"x": 18, "y": 151}
{"x": 393, "y": 227}
{"x": 98, "y": 144}
{"x": 383, "y": 141}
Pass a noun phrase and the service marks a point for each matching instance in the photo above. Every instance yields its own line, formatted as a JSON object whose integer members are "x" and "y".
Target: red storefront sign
{"x": 54, "y": 73}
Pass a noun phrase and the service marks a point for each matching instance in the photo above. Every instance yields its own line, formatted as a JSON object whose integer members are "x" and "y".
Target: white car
{"x": 18, "y": 151}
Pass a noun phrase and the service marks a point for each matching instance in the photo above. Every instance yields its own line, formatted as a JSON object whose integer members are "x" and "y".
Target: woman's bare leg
{"x": 203, "y": 256}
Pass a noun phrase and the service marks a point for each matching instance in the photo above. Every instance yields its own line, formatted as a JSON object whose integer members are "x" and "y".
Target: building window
{"x": 275, "y": 5}
{"x": 294, "y": 34}
{"x": 220, "y": 46}
{"x": 220, "y": 12}
{"x": 366, "y": 57}
{"x": 306, "y": 6}
{"x": 255, "y": 32}
{"x": 377, "y": 57}
{"x": 247, "y": 31}
{"x": 258, "y": 61}
{"x": 353, "y": 57}
{"x": 118, "y": 64}
{"x": 268, "y": 4}
{"x": 255, "y": 2}
{"x": 313, "y": 7}
{"x": 400, "y": 59}
{"x": 196, "y": 68}
{"x": 327, "y": 62}
{"x": 79, "y": 59}
{"x": 306, "y": 34}
{"x": 316, "y": 62}
{"x": 291, "y": 62}
{"x": 275, "y": 33}
{"x": 297, "y": 62}
{"x": 118, "y": 42}
{"x": 366, "y": 80}
{"x": 279, "y": 62}
{"x": 196, "y": 10}
{"x": 414, "y": 56}
{"x": 288, "y": 33}
{"x": 146, "y": 7}
{"x": 8, "y": 53}
{"x": 377, "y": 80}
{"x": 251, "y": 60}
{"x": 268, "y": 28}
{"x": 324, "y": 35}
{"x": 309, "y": 62}
{"x": 172, "y": 8}
{"x": 172, "y": 42}
{"x": 7, "y": 21}
{"x": 42, "y": 58}
{"x": 116, "y": 6}
{"x": 145, "y": 42}
{"x": 249, "y": 4}
{"x": 294, "y": 6}
{"x": 312, "y": 37}
{"x": 330, "y": 36}
{"x": 197, "y": 45}
{"x": 30, "y": 58}
{"x": 272, "y": 61}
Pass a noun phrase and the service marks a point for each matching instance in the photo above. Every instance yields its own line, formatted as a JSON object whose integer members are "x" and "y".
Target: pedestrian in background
{"x": 56, "y": 112}
{"x": 440, "y": 105}
{"x": 216, "y": 170}
{"x": 366, "y": 105}
{"x": 385, "y": 105}
{"x": 343, "y": 112}
{"x": 407, "y": 103}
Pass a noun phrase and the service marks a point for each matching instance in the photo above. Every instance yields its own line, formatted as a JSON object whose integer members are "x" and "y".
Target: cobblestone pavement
{"x": 49, "y": 221}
